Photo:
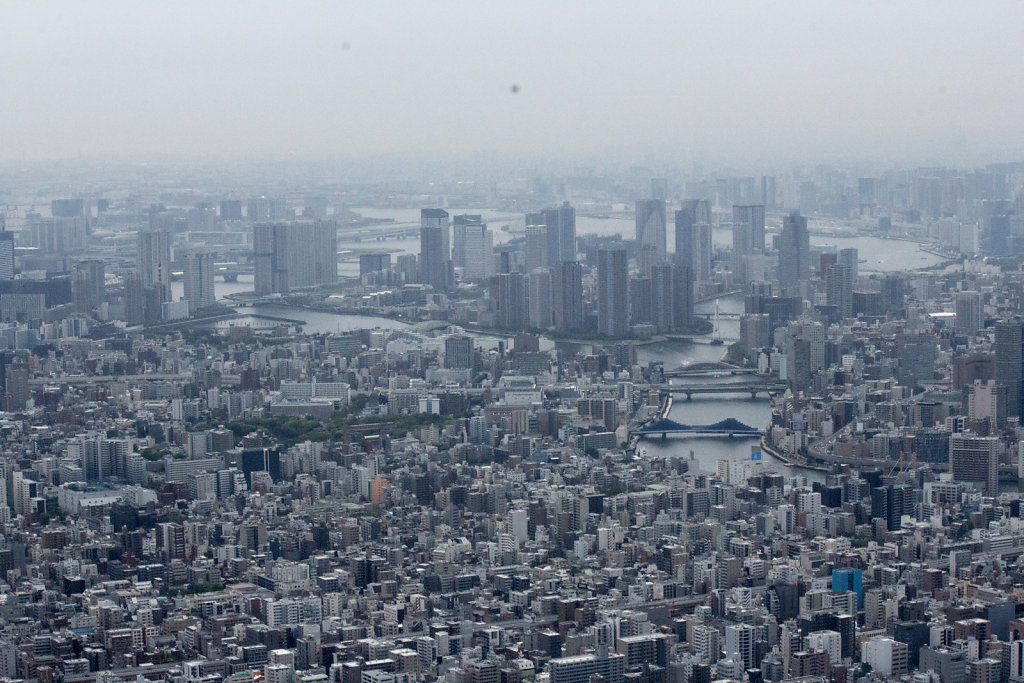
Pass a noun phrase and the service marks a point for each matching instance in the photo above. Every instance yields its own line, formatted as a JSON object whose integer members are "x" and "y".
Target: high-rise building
{"x": 536, "y": 248}
{"x": 153, "y": 261}
{"x": 567, "y": 296}
{"x": 477, "y": 251}
{"x": 291, "y": 256}
{"x": 561, "y": 233}
{"x": 459, "y": 226}
{"x": 458, "y": 352}
{"x": 747, "y": 235}
{"x": 509, "y": 293}
{"x": 612, "y": 291}
{"x": 885, "y": 656}
{"x": 969, "y": 312}
{"x": 539, "y": 299}
{"x": 794, "y": 255}
{"x": 231, "y": 209}
{"x": 975, "y": 459}
{"x": 199, "y": 268}
{"x": 435, "y": 266}
{"x": 839, "y": 289}
{"x": 1009, "y": 352}
{"x": 693, "y": 237}
{"x": 6, "y": 255}
{"x": 88, "y": 285}
{"x": 739, "y": 642}
{"x": 663, "y": 297}
{"x": 683, "y": 296}
{"x": 850, "y": 258}
{"x": 650, "y": 225}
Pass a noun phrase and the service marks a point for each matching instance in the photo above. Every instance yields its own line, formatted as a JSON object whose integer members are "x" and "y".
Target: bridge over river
{"x": 728, "y": 427}
{"x": 752, "y": 388}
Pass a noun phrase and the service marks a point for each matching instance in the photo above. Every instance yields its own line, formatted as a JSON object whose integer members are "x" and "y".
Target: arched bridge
{"x": 752, "y": 388}
{"x": 729, "y": 426}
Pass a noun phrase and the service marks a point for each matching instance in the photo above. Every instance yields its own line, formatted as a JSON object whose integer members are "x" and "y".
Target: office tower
{"x": 893, "y": 293}
{"x": 663, "y": 297}
{"x": 6, "y": 255}
{"x": 459, "y": 225}
{"x": 1009, "y": 352}
{"x": 849, "y": 257}
{"x": 747, "y": 235}
{"x": 231, "y": 210}
{"x": 374, "y": 263}
{"x": 153, "y": 262}
{"x": 682, "y": 296}
{"x": 88, "y": 285}
{"x": 693, "y": 237}
{"x": 612, "y": 291}
{"x": 407, "y": 268}
{"x": 567, "y": 296}
{"x": 291, "y": 256}
{"x": 975, "y": 459}
{"x": 134, "y": 299}
{"x": 536, "y": 247}
{"x": 67, "y": 208}
{"x": 794, "y": 255}
{"x": 435, "y": 257}
{"x": 539, "y": 299}
{"x": 458, "y": 352}
{"x": 839, "y": 289}
{"x": 650, "y": 225}
{"x": 199, "y": 268}
{"x": 968, "y": 312}
{"x": 478, "y": 251}
{"x": 561, "y": 232}
{"x": 509, "y": 292}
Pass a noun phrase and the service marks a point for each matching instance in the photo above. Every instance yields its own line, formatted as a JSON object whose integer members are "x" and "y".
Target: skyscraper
{"x": 849, "y": 257}
{"x": 458, "y": 352}
{"x": 682, "y": 296}
{"x": 459, "y": 226}
{"x": 612, "y": 291}
{"x": 435, "y": 256}
{"x": 839, "y": 289}
{"x": 539, "y": 299}
{"x": 509, "y": 292}
{"x": 693, "y": 237}
{"x": 650, "y": 225}
{"x": 567, "y": 296}
{"x": 536, "y": 248}
{"x": 968, "y": 312}
{"x": 292, "y": 256}
{"x": 663, "y": 293}
{"x": 1009, "y": 351}
{"x": 477, "y": 251}
{"x": 153, "y": 261}
{"x": 794, "y": 254}
{"x": 6, "y": 255}
{"x": 561, "y": 233}
{"x": 747, "y": 235}
{"x": 88, "y": 284}
{"x": 199, "y": 269}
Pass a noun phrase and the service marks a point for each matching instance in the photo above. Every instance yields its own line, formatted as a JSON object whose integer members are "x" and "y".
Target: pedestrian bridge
{"x": 729, "y": 427}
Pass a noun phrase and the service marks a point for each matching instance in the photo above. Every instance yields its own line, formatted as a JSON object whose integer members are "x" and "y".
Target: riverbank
{"x": 766, "y": 448}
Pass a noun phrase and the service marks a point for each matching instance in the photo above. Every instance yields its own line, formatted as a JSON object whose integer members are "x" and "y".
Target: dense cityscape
{"x": 633, "y": 425}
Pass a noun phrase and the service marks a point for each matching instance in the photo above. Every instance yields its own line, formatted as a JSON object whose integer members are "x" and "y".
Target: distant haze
{"x": 761, "y": 82}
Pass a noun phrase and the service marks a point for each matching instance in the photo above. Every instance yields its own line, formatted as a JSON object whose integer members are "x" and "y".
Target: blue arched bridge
{"x": 729, "y": 426}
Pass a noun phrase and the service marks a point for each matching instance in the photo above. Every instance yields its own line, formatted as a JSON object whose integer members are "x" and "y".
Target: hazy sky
{"x": 764, "y": 82}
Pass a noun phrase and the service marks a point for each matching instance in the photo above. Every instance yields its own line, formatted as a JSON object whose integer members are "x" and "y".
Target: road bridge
{"x": 752, "y": 388}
